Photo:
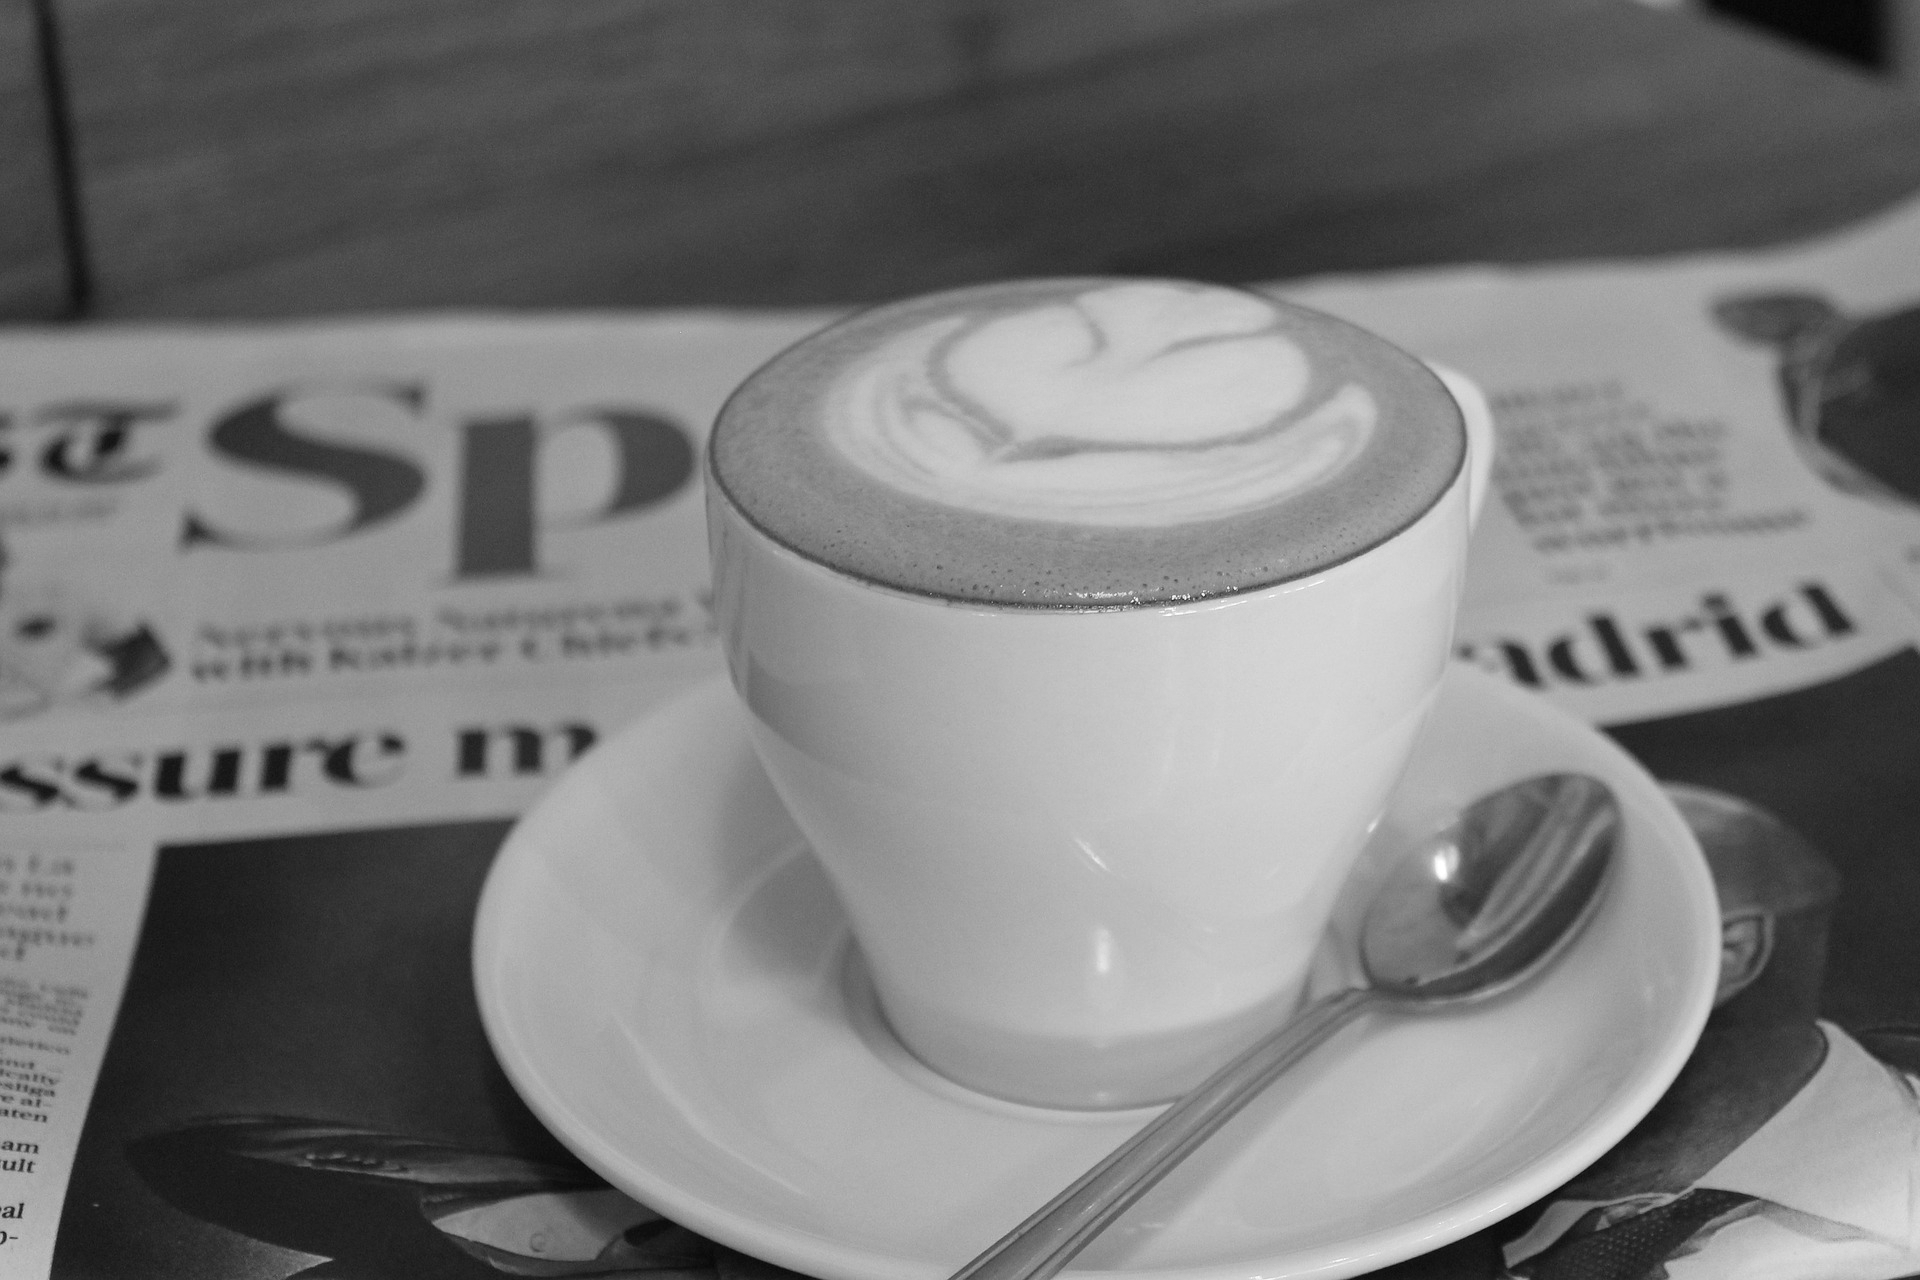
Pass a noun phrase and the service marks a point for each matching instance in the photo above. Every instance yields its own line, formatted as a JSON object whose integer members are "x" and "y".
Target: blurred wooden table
{"x": 268, "y": 157}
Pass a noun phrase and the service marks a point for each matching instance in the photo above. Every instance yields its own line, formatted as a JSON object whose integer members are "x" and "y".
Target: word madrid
{"x": 350, "y": 760}
{"x": 1607, "y": 646}
{"x": 495, "y": 481}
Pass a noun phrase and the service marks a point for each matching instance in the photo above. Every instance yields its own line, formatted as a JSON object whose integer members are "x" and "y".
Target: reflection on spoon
{"x": 1472, "y": 912}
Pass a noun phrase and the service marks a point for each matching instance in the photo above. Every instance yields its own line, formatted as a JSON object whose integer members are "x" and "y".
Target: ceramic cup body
{"x": 1086, "y": 853}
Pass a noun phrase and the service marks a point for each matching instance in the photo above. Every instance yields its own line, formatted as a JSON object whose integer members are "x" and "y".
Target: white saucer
{"x": 667, "y": 980}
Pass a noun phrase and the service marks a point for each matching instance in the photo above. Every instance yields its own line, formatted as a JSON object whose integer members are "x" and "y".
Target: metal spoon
{"x": 1470, "y": 912}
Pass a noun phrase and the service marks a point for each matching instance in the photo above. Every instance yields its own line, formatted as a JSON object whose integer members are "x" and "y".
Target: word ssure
{"x": 282, "y": 765}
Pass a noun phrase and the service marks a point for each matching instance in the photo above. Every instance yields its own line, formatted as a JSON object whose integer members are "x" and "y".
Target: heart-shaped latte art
{"x": 1137, "y": 403}
{"x": 1143, "y": 364}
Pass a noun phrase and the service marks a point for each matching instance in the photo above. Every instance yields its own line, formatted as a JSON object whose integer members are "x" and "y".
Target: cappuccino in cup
{"x": 1084, "y": 626}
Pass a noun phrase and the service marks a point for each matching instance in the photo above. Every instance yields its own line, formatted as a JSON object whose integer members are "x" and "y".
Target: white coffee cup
{"x": 1088, "y": 852}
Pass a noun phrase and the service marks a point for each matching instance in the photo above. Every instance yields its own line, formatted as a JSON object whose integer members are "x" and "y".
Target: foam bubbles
{"x": 1086, "y": 443}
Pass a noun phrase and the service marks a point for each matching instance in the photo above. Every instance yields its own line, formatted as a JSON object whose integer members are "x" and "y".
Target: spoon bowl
{"x": 1468, "y": 914}
{"x": 1479, "y": 907}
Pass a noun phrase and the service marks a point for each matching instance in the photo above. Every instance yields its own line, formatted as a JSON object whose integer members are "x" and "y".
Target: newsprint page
{"x": 295, "y": 620}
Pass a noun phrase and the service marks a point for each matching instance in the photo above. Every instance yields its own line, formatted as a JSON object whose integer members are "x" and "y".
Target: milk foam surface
{"x": 1087, "y": 442}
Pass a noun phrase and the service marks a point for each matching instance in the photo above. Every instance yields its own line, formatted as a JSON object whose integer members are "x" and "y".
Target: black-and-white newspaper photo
{"x": 417, "y": 862}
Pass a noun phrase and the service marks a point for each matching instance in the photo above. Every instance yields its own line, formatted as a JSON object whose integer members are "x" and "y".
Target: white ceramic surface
{"x": 669, "y": 982}
{"x": 1089, "y": 852}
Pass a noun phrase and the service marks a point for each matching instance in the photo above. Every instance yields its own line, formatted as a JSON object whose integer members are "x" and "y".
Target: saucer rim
{"x": 823, "y": 1256}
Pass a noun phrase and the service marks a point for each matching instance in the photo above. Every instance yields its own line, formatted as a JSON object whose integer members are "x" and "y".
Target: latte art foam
{"x": 1130, "y": 404}
{"x": 1087, "y": 442}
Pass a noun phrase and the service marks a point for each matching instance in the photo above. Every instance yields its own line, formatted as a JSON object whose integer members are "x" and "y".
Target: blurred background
{"x": 236, "y": 158}
{"x": 1880, "y": 34}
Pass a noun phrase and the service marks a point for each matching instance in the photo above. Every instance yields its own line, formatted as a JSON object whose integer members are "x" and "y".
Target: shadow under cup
{"x": 1089, "y": 853}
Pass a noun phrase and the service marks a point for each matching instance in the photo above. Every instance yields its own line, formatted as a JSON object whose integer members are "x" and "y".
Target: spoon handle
{"x": 1048, "y": 1240}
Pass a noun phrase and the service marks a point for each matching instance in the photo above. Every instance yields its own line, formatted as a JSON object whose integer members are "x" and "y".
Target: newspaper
{"x": 295, "y": 619}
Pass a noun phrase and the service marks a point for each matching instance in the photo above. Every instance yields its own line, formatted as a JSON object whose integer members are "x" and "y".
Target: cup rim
{"x": 1224, "y": 562}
